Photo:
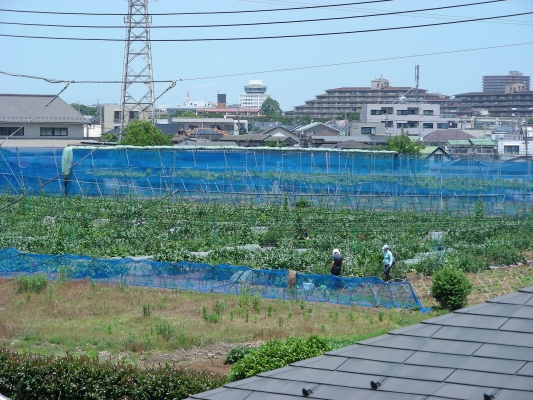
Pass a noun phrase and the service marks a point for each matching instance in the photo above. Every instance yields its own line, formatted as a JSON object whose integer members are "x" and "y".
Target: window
{"x": 428, "y": 112}
{"x": 442, "y": 126}
{"x": 9, "y": 130}
{"x": 117, "y": 115}
{"x": 228, "y": 128}
{"x": 388, "y": 124}
{"x": 511, "y": 149}
{"x": 378, "y": 112}
{"x": 54, "y": 131}
{"x": 134, "y": 115}
{"x": 427, "y": 125}
{"x": 402, "y": 125}
{"x": 368, "y": 130}
{"x": 193, "y": 126}
{"x": 402, "y": 112}
{"x": 412, "y": 124}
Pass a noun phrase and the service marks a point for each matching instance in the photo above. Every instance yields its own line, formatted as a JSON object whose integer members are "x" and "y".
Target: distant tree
{"x": 270, "y": 107}
{"x": 186, "y": 114}
{"x": 143, "y": 133}
{"x": 84, "y": 110}
{"x": 402, "y": 144}
{"x": 530, "y": 121}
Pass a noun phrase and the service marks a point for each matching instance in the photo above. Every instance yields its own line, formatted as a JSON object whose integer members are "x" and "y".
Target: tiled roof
{"x": 22, "y": 108}
{"x": 482, "y": 350}
{"x": 443, "y": 135}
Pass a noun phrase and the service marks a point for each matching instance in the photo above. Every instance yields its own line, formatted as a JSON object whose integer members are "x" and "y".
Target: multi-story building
{"x": 417, "y": 118}
{"x": 515, "y": 104}
{"x": 497, "y": 83}
{"x": 351, "y": 99}
{"x": 111, "y": 116}
{"x": 254, "y": 96}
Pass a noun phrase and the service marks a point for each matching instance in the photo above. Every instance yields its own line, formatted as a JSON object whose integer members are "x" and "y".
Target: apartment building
{"x": 517, "y": 101}
{"x": 351, "y": 99}
{"x": 417, "y": 118}
{"x": 497, "y": 83}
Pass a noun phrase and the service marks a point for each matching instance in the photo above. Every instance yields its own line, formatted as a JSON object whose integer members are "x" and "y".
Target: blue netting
{"x": 223, "y": 278}
{"x": 378, "y": 180}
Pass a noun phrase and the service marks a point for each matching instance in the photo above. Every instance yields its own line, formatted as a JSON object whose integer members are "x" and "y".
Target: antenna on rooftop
{"x": 138, "y": 85}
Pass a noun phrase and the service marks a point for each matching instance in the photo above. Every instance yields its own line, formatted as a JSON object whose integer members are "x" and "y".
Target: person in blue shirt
{"x": 388, "y": 260}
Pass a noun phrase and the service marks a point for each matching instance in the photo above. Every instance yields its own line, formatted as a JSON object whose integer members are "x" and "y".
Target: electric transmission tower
{"x": 137, "y": 86}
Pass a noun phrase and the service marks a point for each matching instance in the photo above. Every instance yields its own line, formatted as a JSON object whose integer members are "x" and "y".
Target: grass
{"x": 82, "y": 318}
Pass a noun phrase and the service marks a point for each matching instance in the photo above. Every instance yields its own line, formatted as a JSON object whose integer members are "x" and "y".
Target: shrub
{"x": 237, "y": 353}
{"x": 277, "y": 353}
{"x": 27, "y": 376}
{"x": 30, "y": 283}
{"x": 450, "y": 288}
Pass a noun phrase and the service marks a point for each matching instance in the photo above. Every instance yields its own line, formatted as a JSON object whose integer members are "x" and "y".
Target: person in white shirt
{"x": 388, "y": 260}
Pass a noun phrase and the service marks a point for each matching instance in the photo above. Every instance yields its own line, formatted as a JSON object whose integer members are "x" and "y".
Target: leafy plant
{"x": 451, "y": 288}
{"x": 30, "y": 283}
{"x": 236, "y": 354}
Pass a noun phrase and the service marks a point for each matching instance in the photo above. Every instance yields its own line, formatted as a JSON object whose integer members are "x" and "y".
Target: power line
{"x": 277, "y": 37}
{"x": 50, "y": 80}
{"x": 257, "y": 23}
{"x": 199, "y": 13}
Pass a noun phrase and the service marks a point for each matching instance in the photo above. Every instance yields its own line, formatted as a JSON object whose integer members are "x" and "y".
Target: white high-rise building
{"x": 254, "y": 96}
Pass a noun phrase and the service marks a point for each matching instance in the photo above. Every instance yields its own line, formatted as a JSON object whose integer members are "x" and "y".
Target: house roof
{"x": 30, "y": 108}
{"x": 443, "y": 135}
{"x": 458, "y": 143}
{"x": 486, "y": 349}
{"x": 482, "y": 142}
{"x": 315, "y": 124}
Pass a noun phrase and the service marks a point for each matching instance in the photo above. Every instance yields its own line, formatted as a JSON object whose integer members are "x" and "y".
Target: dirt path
{"x": 209, "y": 358}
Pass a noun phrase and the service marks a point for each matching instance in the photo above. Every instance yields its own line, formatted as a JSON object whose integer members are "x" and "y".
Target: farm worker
{"x": 336, "y": 262}
{"x": 388, "y": 260}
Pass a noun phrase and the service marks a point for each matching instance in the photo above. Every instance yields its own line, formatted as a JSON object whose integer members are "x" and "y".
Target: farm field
{"x": 146, "y": 326}
{"x": 210, "y": 233}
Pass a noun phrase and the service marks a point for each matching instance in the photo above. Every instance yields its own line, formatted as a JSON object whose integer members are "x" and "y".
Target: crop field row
{"x": 294, "y": 236}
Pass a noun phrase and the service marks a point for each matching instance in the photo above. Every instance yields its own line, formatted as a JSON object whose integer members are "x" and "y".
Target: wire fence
{"x": 222, "y": 278}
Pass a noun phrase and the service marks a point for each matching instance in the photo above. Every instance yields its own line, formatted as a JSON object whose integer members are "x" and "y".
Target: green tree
{"x": 84, "y": 110}
{"x": 143, "y": 133}
{"x": 402, "y": 144}
{"x": 270, "y": 107}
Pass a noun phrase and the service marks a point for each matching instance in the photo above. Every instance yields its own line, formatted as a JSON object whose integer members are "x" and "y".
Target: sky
{"x": 293, "y": 69}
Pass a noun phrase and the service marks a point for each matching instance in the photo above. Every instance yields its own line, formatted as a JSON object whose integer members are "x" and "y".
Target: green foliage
{"x": 451, "y": 288}
{"x": 277, "y": 353}
{"x": 147, "y": 310}
{"x": 165, "y": 329}
{"x": 143, "y": 133}
{"x": 403, "y": 145}
{"x": 30, "y": 283}
{"x": 84, "y": 110}
{"x": 236, "y": 354}
{"x": 32, "y": 377}
{"x": 270, "y": 107}
{"x": 66, "y": 272}
{"x": 275, "y": 143}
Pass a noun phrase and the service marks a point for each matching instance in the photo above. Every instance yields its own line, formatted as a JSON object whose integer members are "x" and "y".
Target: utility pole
{"x": 137, "y": 86}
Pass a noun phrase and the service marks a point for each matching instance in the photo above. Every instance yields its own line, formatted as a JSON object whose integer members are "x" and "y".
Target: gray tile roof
{"x": 484, "y": 349}
{"x": 22, "y": 108}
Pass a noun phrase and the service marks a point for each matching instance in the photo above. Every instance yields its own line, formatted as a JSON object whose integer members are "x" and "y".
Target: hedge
{"x": 29, "y": 376}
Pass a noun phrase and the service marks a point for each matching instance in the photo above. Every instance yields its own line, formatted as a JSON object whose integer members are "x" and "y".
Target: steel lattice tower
{"x": 137, "y": 86}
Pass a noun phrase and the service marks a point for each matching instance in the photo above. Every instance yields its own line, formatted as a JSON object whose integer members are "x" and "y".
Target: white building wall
{"x": 419, "y": 119}
{"x": 33, "y": 131}
{"x": 515, "y": 147}
{"x": 252, "y": 100}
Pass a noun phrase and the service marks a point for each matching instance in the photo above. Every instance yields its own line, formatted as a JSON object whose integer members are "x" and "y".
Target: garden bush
{"x": 278, "y": 353}
{"x": 30, "y": 283}
{"x": 451, "y": 288}
{"x": 28, "y": 377}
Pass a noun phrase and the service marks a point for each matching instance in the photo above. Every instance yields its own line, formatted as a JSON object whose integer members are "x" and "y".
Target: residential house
{"x": 440, "y": 137}
{"x": 434, "y": 154}
{"x": 258, "y": 140}
{"x": 28, "y": 116}
{"x": 472, "y": 146}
